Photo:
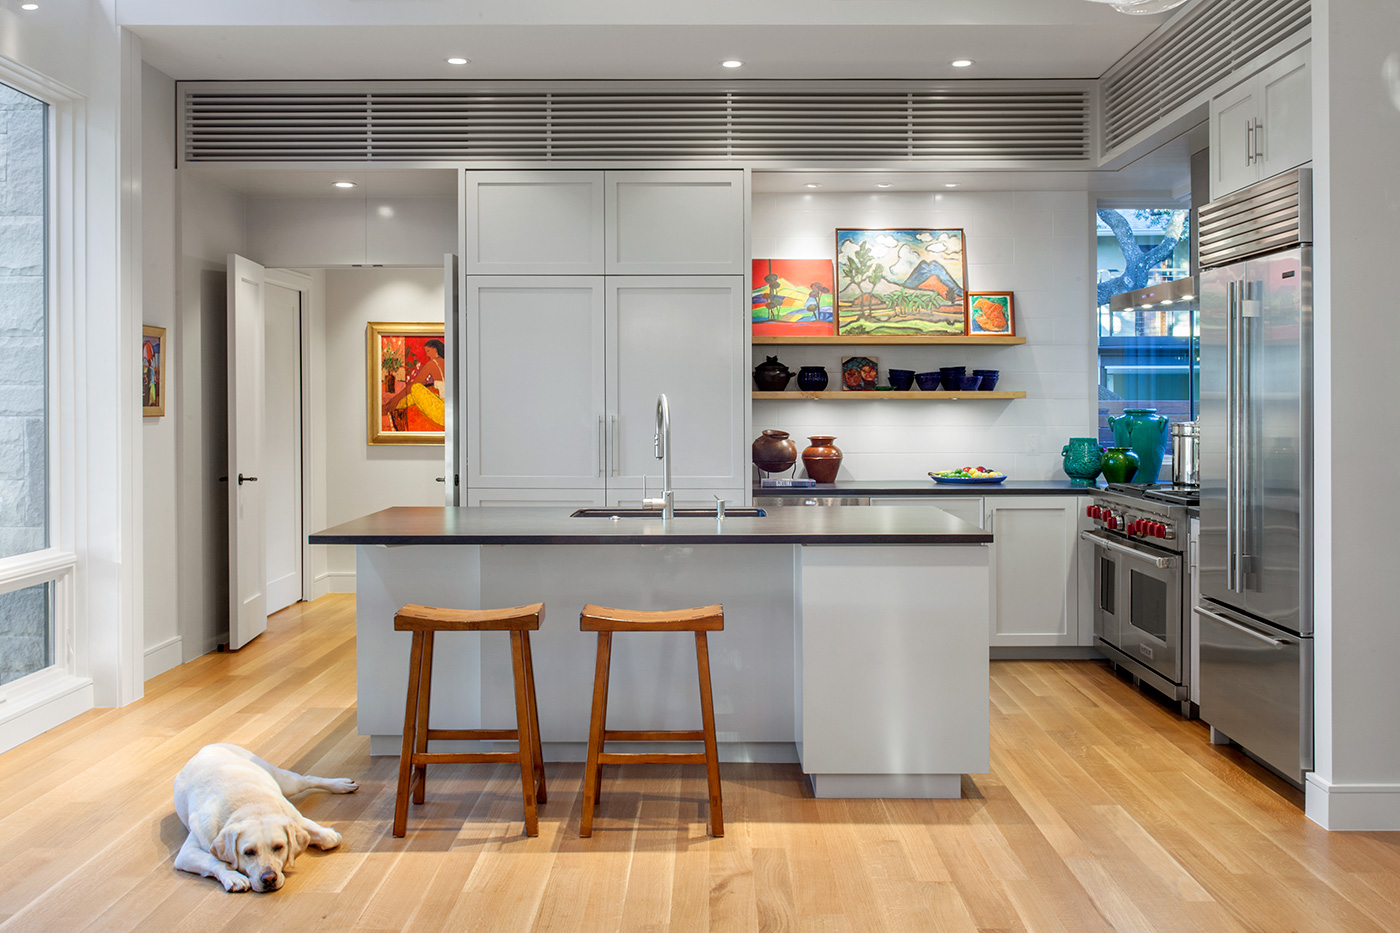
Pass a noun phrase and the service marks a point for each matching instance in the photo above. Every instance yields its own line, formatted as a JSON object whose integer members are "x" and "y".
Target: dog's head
{"x": 261, "y": 847}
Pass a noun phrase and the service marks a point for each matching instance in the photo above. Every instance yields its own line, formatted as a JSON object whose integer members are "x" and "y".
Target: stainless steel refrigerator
{"x": 1255, "y": 549}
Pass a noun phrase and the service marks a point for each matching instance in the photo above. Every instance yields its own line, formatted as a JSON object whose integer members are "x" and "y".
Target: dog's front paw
{"x": 341, "y": 786}
{"x": 327, "y": 838}
{"x": 234, "y": 881}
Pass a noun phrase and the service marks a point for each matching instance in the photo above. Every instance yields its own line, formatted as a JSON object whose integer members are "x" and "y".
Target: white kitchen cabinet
{"x": 1034, "y": 570}
{"x": 1262, "y": 126}
{"x": 968, "y": 508}
{"x": 675, "y": 223}
{"x": 534, "y": 223}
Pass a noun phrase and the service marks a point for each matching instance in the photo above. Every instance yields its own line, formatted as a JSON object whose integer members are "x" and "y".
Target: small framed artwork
{"x": 860, "y": 373}
{"x": 406, "y": 375}
{"x": 792, "y": 297}
{"x": 901, "y": 282}
{"x": 153, "y": 353}
{"x": 991, "y": 314}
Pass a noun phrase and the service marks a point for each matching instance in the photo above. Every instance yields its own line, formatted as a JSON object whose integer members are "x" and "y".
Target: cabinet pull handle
{"x": 616, "y": 446}
{"x": 1249, "y": 142}
{"x": 1259, "y": 140}
{"x": 602, "y": 446}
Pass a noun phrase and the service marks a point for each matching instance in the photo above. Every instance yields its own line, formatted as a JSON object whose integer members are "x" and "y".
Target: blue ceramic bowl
{"x": 952, "y": 378}
{"x": 969, "y": 383}
{"x": 928, "y": 381}
{"x": 989, "y": 378}
{"x": 900, "y": 379}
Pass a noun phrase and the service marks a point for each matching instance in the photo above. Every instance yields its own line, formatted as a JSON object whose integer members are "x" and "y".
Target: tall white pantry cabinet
{"x": 587, "y": 294}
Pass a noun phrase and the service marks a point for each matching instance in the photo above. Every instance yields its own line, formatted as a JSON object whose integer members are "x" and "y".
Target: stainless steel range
{"x": 1141, "y": 585}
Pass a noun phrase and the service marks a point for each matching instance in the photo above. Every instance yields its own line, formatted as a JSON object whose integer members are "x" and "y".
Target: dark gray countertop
{"x": 552, "y": 525}
{"x": 927, "y": 487}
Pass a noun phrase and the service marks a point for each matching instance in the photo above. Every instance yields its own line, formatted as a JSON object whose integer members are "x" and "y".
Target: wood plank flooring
{"x": 1104, "y": 811}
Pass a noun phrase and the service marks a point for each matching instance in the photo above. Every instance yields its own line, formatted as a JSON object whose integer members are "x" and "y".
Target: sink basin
{"x": 656, "y": 513}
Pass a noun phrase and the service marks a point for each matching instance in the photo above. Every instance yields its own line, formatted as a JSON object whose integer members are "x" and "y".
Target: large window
{"x": 1147, "y": 356}
{"x": 26, "y": 612}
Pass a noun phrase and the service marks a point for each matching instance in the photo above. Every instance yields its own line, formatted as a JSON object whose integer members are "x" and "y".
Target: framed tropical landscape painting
{"x": 792, "y": 297}
{"x": 406, "y": 373}
{"x": 901, "y": 282}
{"x": 991, "y": 313}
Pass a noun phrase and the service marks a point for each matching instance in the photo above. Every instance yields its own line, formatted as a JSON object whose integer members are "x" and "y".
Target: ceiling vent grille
{"x": 1186, "y": 59}
{"x": 397, "y": 122}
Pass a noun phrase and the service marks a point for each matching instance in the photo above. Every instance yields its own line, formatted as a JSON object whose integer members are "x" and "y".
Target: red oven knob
{"x": 1089, "y": 511}
{"x": 1161, "y": 530}
{"x": 1135, "y": 527}
{"x": 1111, "y": 521}
{"x": 1097, "y": 511}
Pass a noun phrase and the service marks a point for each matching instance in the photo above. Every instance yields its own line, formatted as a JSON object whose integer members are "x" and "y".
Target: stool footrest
{"x": 670, "y": 735}
{"x": 653, "y": 758}
{"x": 472, "y": 734}
{"x": 463, "y": 758}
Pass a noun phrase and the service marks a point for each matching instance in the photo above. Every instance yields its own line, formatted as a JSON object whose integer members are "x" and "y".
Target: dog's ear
{"x": 225, "y": 846}
{"x": 297, "y": 841}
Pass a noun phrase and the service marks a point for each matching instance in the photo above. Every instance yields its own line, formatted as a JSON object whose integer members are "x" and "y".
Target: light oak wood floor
{"x": 1104, "y": 811}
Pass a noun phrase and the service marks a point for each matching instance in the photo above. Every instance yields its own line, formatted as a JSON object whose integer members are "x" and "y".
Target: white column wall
{"x": 1356, "y": 143}
{"x": 1037, "y": 244}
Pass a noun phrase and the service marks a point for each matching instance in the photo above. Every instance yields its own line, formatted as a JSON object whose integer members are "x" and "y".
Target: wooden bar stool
{"x": 605, "y": 622}
{"x": 425, "y": 622}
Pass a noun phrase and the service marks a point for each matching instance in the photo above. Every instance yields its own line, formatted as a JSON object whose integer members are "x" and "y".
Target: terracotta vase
{"x": 773, "y": 452}
{"x": 822, "y": 459}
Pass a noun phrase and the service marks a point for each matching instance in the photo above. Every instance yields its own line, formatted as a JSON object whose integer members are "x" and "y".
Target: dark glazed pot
{"x": 1120, "y": 464}
{"x": 822, "y": 459}
{"x": 812, "y": 378}
{"x": 771, "y": 376}
{"x": 773, "y": 452}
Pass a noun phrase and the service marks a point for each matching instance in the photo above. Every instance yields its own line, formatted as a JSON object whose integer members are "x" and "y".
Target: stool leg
{"x": 591, "y": 773}
{"x": 523, "y": 739}
{"x": 707, "y": 713}
{"x": 541, "y": 795}
{"x": 425, "y": 699}
{"x": 410, "y": 724}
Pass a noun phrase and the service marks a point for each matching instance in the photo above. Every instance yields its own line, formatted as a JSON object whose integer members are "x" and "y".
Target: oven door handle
{"x": 1161, "y": 563}
{"x": 1217, "y": 617}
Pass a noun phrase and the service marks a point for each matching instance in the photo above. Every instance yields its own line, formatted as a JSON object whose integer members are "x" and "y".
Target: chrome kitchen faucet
{"x": 662, "y": 445}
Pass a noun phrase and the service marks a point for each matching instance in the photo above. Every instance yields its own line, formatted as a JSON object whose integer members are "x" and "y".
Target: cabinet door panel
{"x": 968, "y": 508}
{"x": 1285, "y": 99}
{"x": 675, "y": 223}
{"x": 1232, "y": 115}
{"x": 1034, "y": 574}
{"x": 535, "y": 223}
{"x": 682, "y": 336}
{"x": 535, "y": 382}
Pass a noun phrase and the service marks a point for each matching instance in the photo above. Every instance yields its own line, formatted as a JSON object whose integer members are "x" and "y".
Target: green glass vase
{"x": 1120, "y": 464}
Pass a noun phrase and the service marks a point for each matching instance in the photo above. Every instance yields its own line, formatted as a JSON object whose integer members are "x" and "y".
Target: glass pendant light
{"x": 1142, "y": 7}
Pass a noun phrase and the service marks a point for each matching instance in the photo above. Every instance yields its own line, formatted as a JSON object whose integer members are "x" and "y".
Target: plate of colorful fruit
{"x": 968, "y": 476}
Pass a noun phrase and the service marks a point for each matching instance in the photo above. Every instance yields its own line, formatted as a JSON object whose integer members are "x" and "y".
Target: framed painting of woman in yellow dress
{"x": 407, "y": 381}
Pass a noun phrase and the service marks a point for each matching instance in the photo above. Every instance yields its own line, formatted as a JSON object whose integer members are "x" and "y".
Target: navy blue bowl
{"x": 969, "y": 383}
{"x": 952, "y": 380}
{"x": 989, "y": 381}
{"x": 928, "y": 381}
{"x": 900, "y": 379}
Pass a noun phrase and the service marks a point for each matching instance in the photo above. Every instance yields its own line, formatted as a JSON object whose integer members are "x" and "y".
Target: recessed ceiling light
{"x": 812, "y": 184}
{"x": 961, "y": 63}
{"x": 344, "y": 184}
{"x": 884, "y": 184}
{"x": 29, "y": 6}
{"x": 732, "y": 63}
{"x": 459, "y": 61}
{"x": 950, "y": 184}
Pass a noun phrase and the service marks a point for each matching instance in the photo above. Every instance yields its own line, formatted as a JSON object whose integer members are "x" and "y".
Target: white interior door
{"x": 247, "y": 526}
{"x": 452, "y": 395}
{"x": 280, "y": 479}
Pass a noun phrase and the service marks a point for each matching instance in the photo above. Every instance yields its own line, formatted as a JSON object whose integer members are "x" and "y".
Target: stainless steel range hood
{"x": 1177, "y": 293}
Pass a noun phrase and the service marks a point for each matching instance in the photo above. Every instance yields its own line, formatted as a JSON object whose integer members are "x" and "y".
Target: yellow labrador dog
{"x": 243, "y": 829}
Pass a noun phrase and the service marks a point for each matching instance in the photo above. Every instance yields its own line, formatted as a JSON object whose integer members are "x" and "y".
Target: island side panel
{"x": 894, "y": 660}
{"x": 653, "y": 683}
{"x": 387, "y": 578}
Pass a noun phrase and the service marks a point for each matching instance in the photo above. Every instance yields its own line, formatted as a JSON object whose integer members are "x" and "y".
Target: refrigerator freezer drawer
{"x": 1256, "y": 688}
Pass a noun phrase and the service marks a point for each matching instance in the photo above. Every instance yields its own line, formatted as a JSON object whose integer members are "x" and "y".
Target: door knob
{"x": 246, "y": 479}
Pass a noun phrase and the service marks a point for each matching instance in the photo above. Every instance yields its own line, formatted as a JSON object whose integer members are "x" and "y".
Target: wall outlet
{"x": 1032, "y": 443}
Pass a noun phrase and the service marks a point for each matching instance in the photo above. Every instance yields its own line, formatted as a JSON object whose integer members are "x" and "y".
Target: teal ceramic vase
{"x": 1146, "y": 432}
{"x": 1083, "y": 460}
{"x": 1120, "y": 464}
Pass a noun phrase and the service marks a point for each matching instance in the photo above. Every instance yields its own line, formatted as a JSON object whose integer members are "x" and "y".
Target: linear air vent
{"x": 1273, "y": 214}
{"x": 972, "y": 121}
{"x": 1182, "y": 62}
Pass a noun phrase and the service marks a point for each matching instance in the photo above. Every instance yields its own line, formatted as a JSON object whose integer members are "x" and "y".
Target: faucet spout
{"x": 662, "y": 446}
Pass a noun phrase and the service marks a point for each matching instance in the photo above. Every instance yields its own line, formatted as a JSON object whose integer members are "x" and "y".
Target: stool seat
{"x": 605, "y": 621}
{"x": 424, "y": 622}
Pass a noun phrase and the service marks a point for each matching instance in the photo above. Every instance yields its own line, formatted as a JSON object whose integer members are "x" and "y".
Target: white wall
{"x": 359, "y": 478}
{"x": 1356, "y": 139}
{"x": 160, "y": 532}
{"x": 351, "y": 229}
{"x": 1036, "y": 244}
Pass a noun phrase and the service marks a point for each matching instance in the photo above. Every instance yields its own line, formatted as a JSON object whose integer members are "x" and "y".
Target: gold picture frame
{"x": 406, "y": 382}
{"x": 154, "y": 350}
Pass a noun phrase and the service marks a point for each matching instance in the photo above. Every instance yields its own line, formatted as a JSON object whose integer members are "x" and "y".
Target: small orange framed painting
{"x": 153, "y": 353}
{"x": 406, "y": 374}
{"x": 990, "y": 314}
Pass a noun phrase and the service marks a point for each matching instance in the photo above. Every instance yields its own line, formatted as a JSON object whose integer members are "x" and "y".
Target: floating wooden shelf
{"x": 871, "y": 396}
{"x": 882, "y": 340}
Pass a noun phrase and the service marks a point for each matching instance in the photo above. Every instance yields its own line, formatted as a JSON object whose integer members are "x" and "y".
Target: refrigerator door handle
{"x": 1246, "y": 308}
{"x": 1231, "y": 439}
{"x": 1216, "y": 617}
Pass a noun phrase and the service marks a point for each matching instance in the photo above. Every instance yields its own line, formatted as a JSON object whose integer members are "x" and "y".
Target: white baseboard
{"x": 337, "y": 581}
{"x": 162, "y": 657}
{"x": 1370, "y": 807}
{"x": 23, "y": 716}
{"x": 319, "y": 587}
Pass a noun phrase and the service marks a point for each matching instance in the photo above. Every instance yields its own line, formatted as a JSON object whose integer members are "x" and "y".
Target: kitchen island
{"x": 854, "y": 641}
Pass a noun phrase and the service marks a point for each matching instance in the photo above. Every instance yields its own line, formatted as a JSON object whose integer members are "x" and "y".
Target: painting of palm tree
{"x": 900, "y": 282}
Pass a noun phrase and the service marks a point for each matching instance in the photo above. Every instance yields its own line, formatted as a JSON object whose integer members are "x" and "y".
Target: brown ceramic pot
{"x": 773, "y": 452}
{"x": 822, "y": 459}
